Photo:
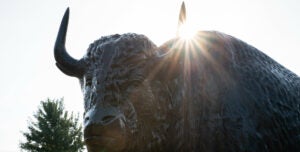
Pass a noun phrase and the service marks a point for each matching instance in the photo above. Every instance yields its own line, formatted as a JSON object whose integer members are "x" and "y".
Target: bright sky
{"x": 28, "y": 30}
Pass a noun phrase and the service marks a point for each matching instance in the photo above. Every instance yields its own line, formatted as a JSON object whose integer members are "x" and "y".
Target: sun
{"x": 186, "y": 32}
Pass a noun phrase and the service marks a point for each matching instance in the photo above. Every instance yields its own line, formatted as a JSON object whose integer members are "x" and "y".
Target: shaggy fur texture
{"x": 224, "y": 95}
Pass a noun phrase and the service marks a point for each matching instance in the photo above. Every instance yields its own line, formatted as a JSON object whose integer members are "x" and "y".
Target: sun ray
{"x": 186, "y": 32}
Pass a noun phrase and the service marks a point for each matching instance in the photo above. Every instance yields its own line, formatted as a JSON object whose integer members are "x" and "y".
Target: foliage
{"x": 54, "y": 130}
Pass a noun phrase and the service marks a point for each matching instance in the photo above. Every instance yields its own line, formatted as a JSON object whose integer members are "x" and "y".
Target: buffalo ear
{"x": 167, "y": 64}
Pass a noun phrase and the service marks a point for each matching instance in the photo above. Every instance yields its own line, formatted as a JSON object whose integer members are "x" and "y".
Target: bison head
{"x": 117, "y": 76}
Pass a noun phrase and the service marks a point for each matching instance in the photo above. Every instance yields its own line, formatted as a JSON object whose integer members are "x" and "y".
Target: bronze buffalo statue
{"x": 211, "y": 93}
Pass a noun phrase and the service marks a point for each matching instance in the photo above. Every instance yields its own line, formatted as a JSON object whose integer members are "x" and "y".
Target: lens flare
{"x": 186, "y": 32}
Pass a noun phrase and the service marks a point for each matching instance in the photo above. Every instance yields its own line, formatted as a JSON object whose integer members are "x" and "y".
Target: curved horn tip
{"x": 62, "y": 32}
{"x": 65, "y": 18}
{"x": 182, "y": 18}
{"x": 67, "y": 13}
{"x": 182, "y": 4}
{"x": 67, "y": 10}
{"x": 182, "y": 14}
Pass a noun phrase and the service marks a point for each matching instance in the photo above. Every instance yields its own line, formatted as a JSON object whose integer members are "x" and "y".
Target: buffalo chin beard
{"x": 105, "y": 144}
{"x": 99, "y": 144}
{"x": 110, "y": 138}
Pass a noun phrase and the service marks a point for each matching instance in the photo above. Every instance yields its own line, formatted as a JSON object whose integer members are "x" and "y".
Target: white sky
{"x": 28, "y": 30}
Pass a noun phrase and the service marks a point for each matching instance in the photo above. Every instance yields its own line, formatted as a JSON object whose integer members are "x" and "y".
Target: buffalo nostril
{"x": 108, "y": 118}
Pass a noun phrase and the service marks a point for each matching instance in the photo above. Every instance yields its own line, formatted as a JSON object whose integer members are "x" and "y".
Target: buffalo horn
{"x": 64, "y": 61}
{"x": 182, "y": 17}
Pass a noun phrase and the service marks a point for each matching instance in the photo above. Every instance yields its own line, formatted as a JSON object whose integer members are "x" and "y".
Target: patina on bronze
{"x": 214, "y": 93}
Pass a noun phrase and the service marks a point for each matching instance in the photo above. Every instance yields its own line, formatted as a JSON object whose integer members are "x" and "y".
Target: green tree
{"x": 54, "y": 130}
